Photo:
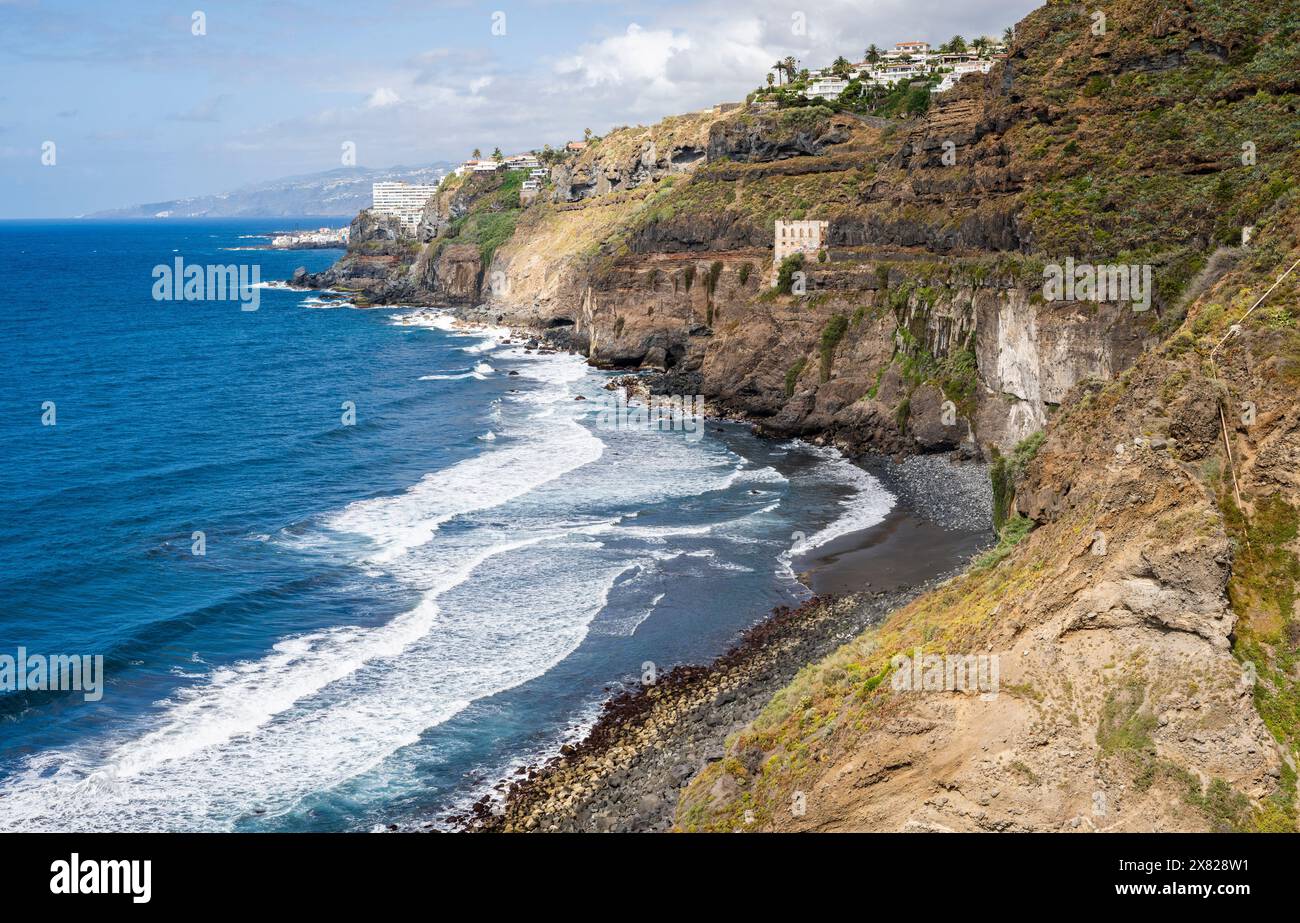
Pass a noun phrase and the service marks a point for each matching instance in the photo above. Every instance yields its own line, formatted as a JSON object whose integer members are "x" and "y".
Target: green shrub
{"x": 1013, "y": 531}
{"x": 832, "y": 333}
{"x": 715, "y": 271}
{"x": 1006, "y": 471}
{"x": 901, "y": 414}
{"x": 792, "y": 376}
{"x": 785, "y": 272}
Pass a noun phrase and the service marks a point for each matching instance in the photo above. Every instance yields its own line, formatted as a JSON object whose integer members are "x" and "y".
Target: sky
{"x": 139, "y": 101}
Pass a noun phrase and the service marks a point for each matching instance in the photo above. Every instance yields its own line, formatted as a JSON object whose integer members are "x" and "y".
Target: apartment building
{"x": 405, "y": 201}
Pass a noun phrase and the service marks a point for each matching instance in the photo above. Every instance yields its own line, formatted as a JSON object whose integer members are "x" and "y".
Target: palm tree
{"x": 477, "y": 154}
{"x": 873, "y": 53}
{"x": 791, "y": 67}
{"x": 497, "y": 155}
{"x": 980, "y": 45}
{"x": 956, "y": 44}
{"x": 770, "y": 78}
{"x": 841, "y": 66}
{"x": 779, "y": 67}
{"x": 1008, "y": 34}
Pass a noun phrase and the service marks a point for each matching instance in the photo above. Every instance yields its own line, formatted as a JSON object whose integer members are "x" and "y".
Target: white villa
{"x": 479, "y": 166}
{"x": 491, "y": 165}
{"x": 405, "y": 201}
{"x": 906, "y": 61}
{"x": 961, "y": 69}
{"x": 827, "y": 87}
{"x": 914, "y": 48}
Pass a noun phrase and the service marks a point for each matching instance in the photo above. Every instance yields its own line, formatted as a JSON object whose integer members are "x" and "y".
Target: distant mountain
{"x": 343, "y": 192}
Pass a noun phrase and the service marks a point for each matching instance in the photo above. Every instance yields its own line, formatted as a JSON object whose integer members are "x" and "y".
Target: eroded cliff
{"x": 1141, "y": 601}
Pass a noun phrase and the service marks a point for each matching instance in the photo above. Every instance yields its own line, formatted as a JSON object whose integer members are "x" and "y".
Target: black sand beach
{"x": 627, "y": 773}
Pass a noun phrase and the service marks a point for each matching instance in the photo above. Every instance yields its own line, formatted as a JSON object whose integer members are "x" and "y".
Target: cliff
{"x": 1141, "y": 604}
{"x": 1141, "y": 601}
{"x": 922, "y": 324}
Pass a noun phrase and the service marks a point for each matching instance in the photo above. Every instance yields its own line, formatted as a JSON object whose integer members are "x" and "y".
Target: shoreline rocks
{"x": 650, "y": 740}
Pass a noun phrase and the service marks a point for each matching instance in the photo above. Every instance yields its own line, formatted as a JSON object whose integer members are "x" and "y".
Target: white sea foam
{"x": 322, "y": 303}
{"x": 285, "y": 286}
{"x": 869, "y": 504}
{"x": 325, "y": 707}
{"x": 321, "y": 709}
{"x": 502, "y": 598}
{"x": 395, "y": 525}
{"x": 626, "y": 626}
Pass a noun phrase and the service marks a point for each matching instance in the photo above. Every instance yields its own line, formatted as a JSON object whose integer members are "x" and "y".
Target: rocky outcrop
{"x": 757, "y": 136}
{"x": 456, "y": 273}
{"x": 630, "y": 158}
{"x": 377, "y": 263}
{"x": 455, "y": 202}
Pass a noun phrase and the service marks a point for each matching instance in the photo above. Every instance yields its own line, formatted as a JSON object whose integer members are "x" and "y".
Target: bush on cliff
{"x": 832, "y": 333}
{"x": 1006, "y": 470}
{"x": 785, "y": 272}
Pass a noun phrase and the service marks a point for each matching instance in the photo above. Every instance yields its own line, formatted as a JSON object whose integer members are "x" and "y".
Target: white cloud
{"x": 638, "y": 56}
{"x": 382, "y": 98}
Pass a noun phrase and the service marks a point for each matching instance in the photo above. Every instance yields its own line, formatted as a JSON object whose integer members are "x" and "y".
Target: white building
{"x": 826, "y": 87}
{"x": 982, "y": 66}
{"x": 321, "y": 236}
{"x": 401, "y": 200}
{"x": 893, "y": 73}
{"x": 797, "y": 237}
{"x": 947, "y": 82}
{"x": 960, "y": 70}
{"x": 912, "y": 48}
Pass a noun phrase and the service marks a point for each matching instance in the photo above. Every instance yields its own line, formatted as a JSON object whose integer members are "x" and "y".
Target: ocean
{"x": 423, "y": 562}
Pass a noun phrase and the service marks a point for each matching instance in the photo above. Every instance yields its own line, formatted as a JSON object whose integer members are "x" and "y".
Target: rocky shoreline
{"x": 649, "y": 741}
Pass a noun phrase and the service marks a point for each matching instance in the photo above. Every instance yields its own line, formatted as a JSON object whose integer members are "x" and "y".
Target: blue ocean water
{"x": 388, "y": 616}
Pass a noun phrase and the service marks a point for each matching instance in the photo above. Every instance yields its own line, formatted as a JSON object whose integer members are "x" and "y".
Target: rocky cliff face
{"x": 922, "y": 325}
{"x": 632, "y": 157}
{"x": 1145, "y": 629}
{"x": 1141, "y": 603}
{"x": 1141, "y": 606}
{"x": 757, "y": 136}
